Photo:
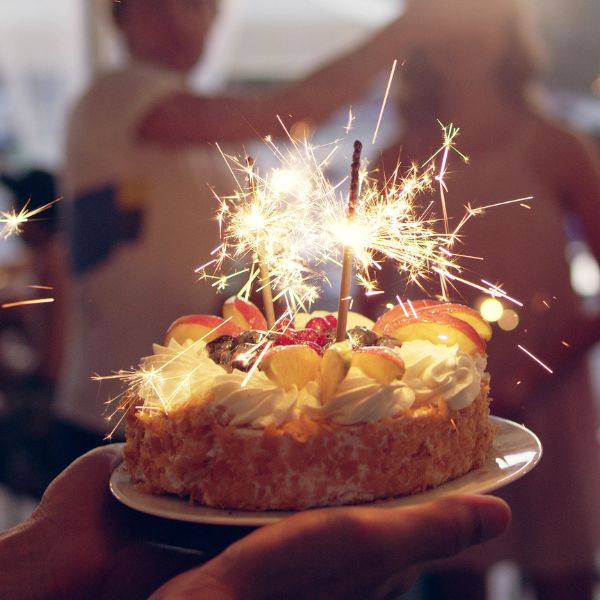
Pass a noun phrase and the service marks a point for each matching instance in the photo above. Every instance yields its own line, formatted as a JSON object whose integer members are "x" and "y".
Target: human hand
{"x": 345, "y": 553}
{"x": 81, "y": 543}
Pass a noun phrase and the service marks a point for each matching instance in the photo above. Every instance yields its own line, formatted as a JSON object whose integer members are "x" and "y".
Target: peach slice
{"x": 465, "y": 313}
{"x": 380, "y": 363}
{"x": 335, "y": 364}
{"x": 287, "y": 366}
{"x": 438, "y": 328}
{"x": 200, "y": 327}
{"x": 401, "y": 311}
{"x": 244, "y": 313}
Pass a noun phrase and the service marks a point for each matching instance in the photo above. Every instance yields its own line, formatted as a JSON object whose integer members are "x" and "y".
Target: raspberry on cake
{"x": 289, "y": 419}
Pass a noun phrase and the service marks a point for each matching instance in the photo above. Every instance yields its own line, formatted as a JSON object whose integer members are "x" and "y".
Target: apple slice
{"x": 438, "y": 328}
{"x": 287, "y": 366}
{"x": 380, "y": 363}
{"x": 401, "y": 311}
{"x": 200, "y": 327}
{"x": 244, "y": 313}
{"x": 465, "y": 313}
{"x": 335, "y": 364}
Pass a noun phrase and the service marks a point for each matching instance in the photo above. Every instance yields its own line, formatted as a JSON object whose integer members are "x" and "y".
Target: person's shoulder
{"x": 101, "y": 89}
{"x": 560, "y": 148}
{"x": 558, "y": 139}
{"x": 126, "y": 80}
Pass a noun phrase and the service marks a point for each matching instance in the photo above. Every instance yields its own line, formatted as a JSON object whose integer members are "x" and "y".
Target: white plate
{"x": 516, "y": 451}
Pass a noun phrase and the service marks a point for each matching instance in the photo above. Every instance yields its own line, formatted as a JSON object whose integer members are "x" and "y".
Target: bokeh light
{"x": 491, "y": 309}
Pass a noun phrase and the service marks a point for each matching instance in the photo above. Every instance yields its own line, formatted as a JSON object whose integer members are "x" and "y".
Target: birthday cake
{"x": 233, "y": 414}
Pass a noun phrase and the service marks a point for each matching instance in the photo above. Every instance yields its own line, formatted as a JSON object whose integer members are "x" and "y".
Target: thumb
{"x": 332, "y": 553}
{"x": 86, "y": 478}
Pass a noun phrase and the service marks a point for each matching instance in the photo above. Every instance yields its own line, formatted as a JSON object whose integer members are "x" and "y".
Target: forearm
{"x": 345, "y": 79}
{"x": 187, "y": 119}
{"x": 25, "y": 572}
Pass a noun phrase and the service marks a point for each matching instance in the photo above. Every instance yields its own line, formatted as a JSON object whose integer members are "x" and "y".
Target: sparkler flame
{"x": 11, "y": 222}
{"x": 294, "y": 222}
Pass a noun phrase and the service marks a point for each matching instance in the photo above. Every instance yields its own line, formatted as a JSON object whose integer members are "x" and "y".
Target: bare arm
{"x": 582, "y": 187}
{"x": 189, "y": 119}
{"x": 572, "y": 162}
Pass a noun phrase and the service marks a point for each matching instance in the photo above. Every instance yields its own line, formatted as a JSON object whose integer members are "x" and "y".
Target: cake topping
{"x": 255, "y": 378}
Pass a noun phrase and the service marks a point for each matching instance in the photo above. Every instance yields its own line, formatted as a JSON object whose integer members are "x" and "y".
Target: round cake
{"x": 234, "y": 415}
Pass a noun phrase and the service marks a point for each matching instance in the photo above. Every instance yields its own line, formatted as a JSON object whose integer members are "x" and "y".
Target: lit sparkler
{"x": 11, "y": 222}
{"x": 272, "y": 224}
{"x": 293, "y": 225}
{"x": 347, "y": 259}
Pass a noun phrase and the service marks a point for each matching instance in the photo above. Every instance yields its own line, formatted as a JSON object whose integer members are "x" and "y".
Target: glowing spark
{"x": 351, "y": 117}
{"x": 494, "y": 290}
{"x": 11, "y": 222}
{"x": 256, "y": 363}
{"x": 566, "y": 344}
{"x": 385, "y": 97}
{"x": 535, "y": 358}
{"x": 27, "y": 302}
{"x": 295, "y": 223}
{"x": 412, "y": 308}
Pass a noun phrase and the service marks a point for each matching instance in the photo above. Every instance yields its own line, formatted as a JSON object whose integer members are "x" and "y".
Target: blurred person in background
{"x": 475, "y": 64}
{"x": 140, "y": 157}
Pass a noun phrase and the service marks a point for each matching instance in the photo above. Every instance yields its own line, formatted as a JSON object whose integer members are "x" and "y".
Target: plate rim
{"x": 122, "y": 489}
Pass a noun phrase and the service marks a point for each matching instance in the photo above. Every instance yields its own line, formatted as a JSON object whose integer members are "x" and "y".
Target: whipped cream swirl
{"x": 178, "y": 373}
{"x": 360, "y": 399}
{"x": 436, "y": 371}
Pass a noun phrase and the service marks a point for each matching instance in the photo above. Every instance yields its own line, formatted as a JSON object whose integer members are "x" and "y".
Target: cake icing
{"x": 187, "y": 373}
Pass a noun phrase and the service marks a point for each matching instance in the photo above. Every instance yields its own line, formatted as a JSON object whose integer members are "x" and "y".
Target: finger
{"x": 394, "y": 586}
{"x": 138, "y": 569}
{"x": 345, "y": 549}
{"x": 208, "y": 539}
{"x": 86, "y": 478}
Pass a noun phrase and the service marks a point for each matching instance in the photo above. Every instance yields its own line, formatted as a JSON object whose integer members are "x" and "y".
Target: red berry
{"x": 317, "y": 324}
{"x": 331, "y": 321}
{"x": 322, "y": 339}
{"x": 285, "y": 340}
{"x": 283, "y": 324}
{"x": 306, "y": 335}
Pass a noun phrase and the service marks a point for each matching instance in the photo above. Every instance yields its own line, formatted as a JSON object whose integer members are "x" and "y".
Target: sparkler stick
{"x": 265, "y": 280}
{"x": 346, "y": 279}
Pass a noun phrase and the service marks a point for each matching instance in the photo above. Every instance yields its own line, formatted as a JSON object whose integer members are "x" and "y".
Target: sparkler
{"x": 12, "y": 221}
{"x": 295, "y": 223}
{"x": 272, "y": 223}
{"x": 346, "y": 279}
{"x": 265, "y": 282}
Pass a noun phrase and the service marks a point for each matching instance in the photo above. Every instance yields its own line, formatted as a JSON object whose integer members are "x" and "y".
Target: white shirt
{"x": 125, "y": 295}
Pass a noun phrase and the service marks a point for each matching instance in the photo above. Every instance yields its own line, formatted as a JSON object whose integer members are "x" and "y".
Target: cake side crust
{"x": 304, "y": 463}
